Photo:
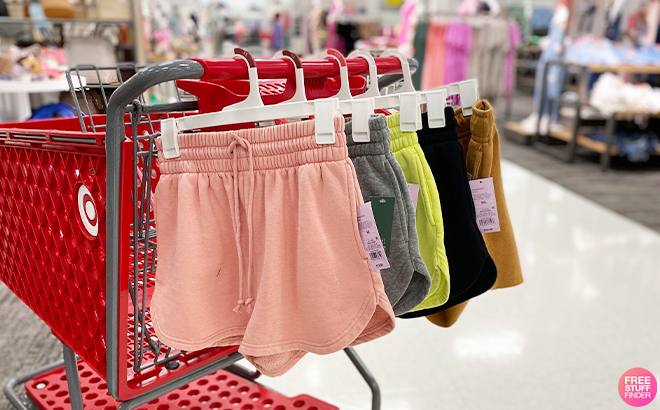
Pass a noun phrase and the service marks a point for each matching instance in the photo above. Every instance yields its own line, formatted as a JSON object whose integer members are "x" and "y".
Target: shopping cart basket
{"x": 78, "y": 243}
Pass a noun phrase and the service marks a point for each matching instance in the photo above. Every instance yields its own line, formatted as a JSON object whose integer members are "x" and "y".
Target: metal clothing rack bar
{"x": 231, "y": 69}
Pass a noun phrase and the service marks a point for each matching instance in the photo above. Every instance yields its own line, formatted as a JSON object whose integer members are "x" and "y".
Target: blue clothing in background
{"x": 554, "y": 78}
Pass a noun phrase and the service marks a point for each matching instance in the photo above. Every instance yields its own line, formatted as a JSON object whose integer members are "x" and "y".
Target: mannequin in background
{"x": 554, "y": 75}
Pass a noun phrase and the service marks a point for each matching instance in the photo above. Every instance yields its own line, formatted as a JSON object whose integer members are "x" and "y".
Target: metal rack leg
{"x": 544, "y": 85}
{"x": 582, "y": 95}
{"x": 572, "y": 144}
{"x": 10, "y": 387}
{"x": 72, "y": 378}
{"x": 605, "y": 157}
{"x": 367, "y": 376}
{"x": 243, "y": 372}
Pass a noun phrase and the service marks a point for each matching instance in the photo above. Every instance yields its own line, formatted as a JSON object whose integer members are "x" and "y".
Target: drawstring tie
{"x": 236, "y": 142}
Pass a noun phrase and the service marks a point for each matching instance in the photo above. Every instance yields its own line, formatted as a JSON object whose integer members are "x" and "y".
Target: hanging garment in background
{"x": 407, "y": 281}
{"x": 458, "y": 45}
{"x": 314, "y": 28}
{"x": 368, "y": 29}
{"x": 420, "y": 51}
{"x": 509, "y": 71}
{"x": 408, "y": 23}
{"x": 258, "y": 246}
{"x": 480, "y": 139}
{"x": 488, "y": 58}
{"x": 333, "y": 39}
{"x": 472, "y": 269}
{"x": 349, "y": 33}
{"x": 433, "y": 72}
{"x": 430, "y": 230}
{"x": 474, "y": 62}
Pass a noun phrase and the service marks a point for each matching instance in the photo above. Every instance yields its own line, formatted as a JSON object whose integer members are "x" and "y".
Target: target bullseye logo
{"x": 87, "y": 211}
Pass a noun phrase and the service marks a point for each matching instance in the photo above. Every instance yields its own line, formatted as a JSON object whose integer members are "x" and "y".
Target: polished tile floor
{"x": 588, "y": 311}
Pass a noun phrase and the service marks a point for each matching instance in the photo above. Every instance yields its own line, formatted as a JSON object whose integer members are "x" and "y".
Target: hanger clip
{"x": 436, "y": 100}
{"x": 362, "y": 110}
{"x": 169, "y": 137}
{"x": 324, "y": 120}
{"x": 469, "y": 95}
{"x": 411, "y": 113}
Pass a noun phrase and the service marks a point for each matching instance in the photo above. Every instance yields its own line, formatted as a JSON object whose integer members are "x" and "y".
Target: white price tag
{"x": 370, "y": 237}
{"x": 485, "y": 205}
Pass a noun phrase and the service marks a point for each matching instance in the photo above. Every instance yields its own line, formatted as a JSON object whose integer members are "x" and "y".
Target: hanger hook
{"x": 254, "y": 97}
{"x": 407, "y": 85}
{"x": 344, "y": 90}
{"x": 298, "y": 71}
{"x": 373, "y": 90}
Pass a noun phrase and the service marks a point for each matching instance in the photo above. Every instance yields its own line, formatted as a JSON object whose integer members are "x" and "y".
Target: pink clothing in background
{"x": 258, "y": 246}
{"x": 332, "y": 39}
{"x": 468, "y": 7}
{"x": 405, "y": 12}
{"x": 514, "y": 37}
{"x": 458, "y": 44}
{"x": 433, "y": 72}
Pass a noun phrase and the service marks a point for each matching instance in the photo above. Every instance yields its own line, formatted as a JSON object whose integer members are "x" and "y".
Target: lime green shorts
{"x": 430, "y": 229}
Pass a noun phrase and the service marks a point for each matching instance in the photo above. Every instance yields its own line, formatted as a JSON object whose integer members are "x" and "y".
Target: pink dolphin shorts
{"x": 258, "y": 246}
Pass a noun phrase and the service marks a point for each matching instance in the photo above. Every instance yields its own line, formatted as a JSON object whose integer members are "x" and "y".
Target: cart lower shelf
{"x": 219, "y": 390}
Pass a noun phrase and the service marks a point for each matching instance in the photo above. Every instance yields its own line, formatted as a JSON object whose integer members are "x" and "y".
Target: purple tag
{"x": 370, "y": 237}
{"x": 483, "y": 194}
{"x": 414, "y": 193}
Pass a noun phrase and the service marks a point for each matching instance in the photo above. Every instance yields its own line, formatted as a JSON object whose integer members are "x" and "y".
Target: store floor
{"x": 588, "y": 311}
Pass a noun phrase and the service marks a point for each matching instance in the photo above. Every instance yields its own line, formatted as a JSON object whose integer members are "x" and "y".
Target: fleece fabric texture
{"x": 480, "y": 139}
{"x": 407, "y": 281}
{"x": 410, "y": 156}
{"x": 472, "y": 269}
{"x": 258, "y": 246}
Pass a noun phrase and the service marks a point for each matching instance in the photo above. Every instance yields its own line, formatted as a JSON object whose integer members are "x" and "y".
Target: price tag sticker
{"x": 485, "y": 205}
{"x": 414, "y": 194}
{"x": 370, "y": 237}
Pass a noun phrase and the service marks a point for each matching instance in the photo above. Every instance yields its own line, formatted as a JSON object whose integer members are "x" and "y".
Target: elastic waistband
{"x": 379, "y": 142}
{"x": 279, "y": 146}
{"x": 400, "y": 139}
{"x": 428, "y": 136}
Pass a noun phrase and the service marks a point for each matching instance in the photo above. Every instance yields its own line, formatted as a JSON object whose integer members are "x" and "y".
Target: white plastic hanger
{"x": 380, "y": 101}
{"x": 468, "y": 90}
{"x": 410, "y": 111}
{"x": 364, "y": 104}
{"x": 252, "y": 109}
{"x": 373, "y": 90}
{"x": 435, "y": 100}
{"x": 360, "y": 108}
{"x": 300, "y": 75}
{"x": 253, "y": 99}
{"x": 344, "y": 93}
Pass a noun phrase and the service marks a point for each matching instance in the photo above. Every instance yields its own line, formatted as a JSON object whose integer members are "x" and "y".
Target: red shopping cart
{"x": 78, "y": 244}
